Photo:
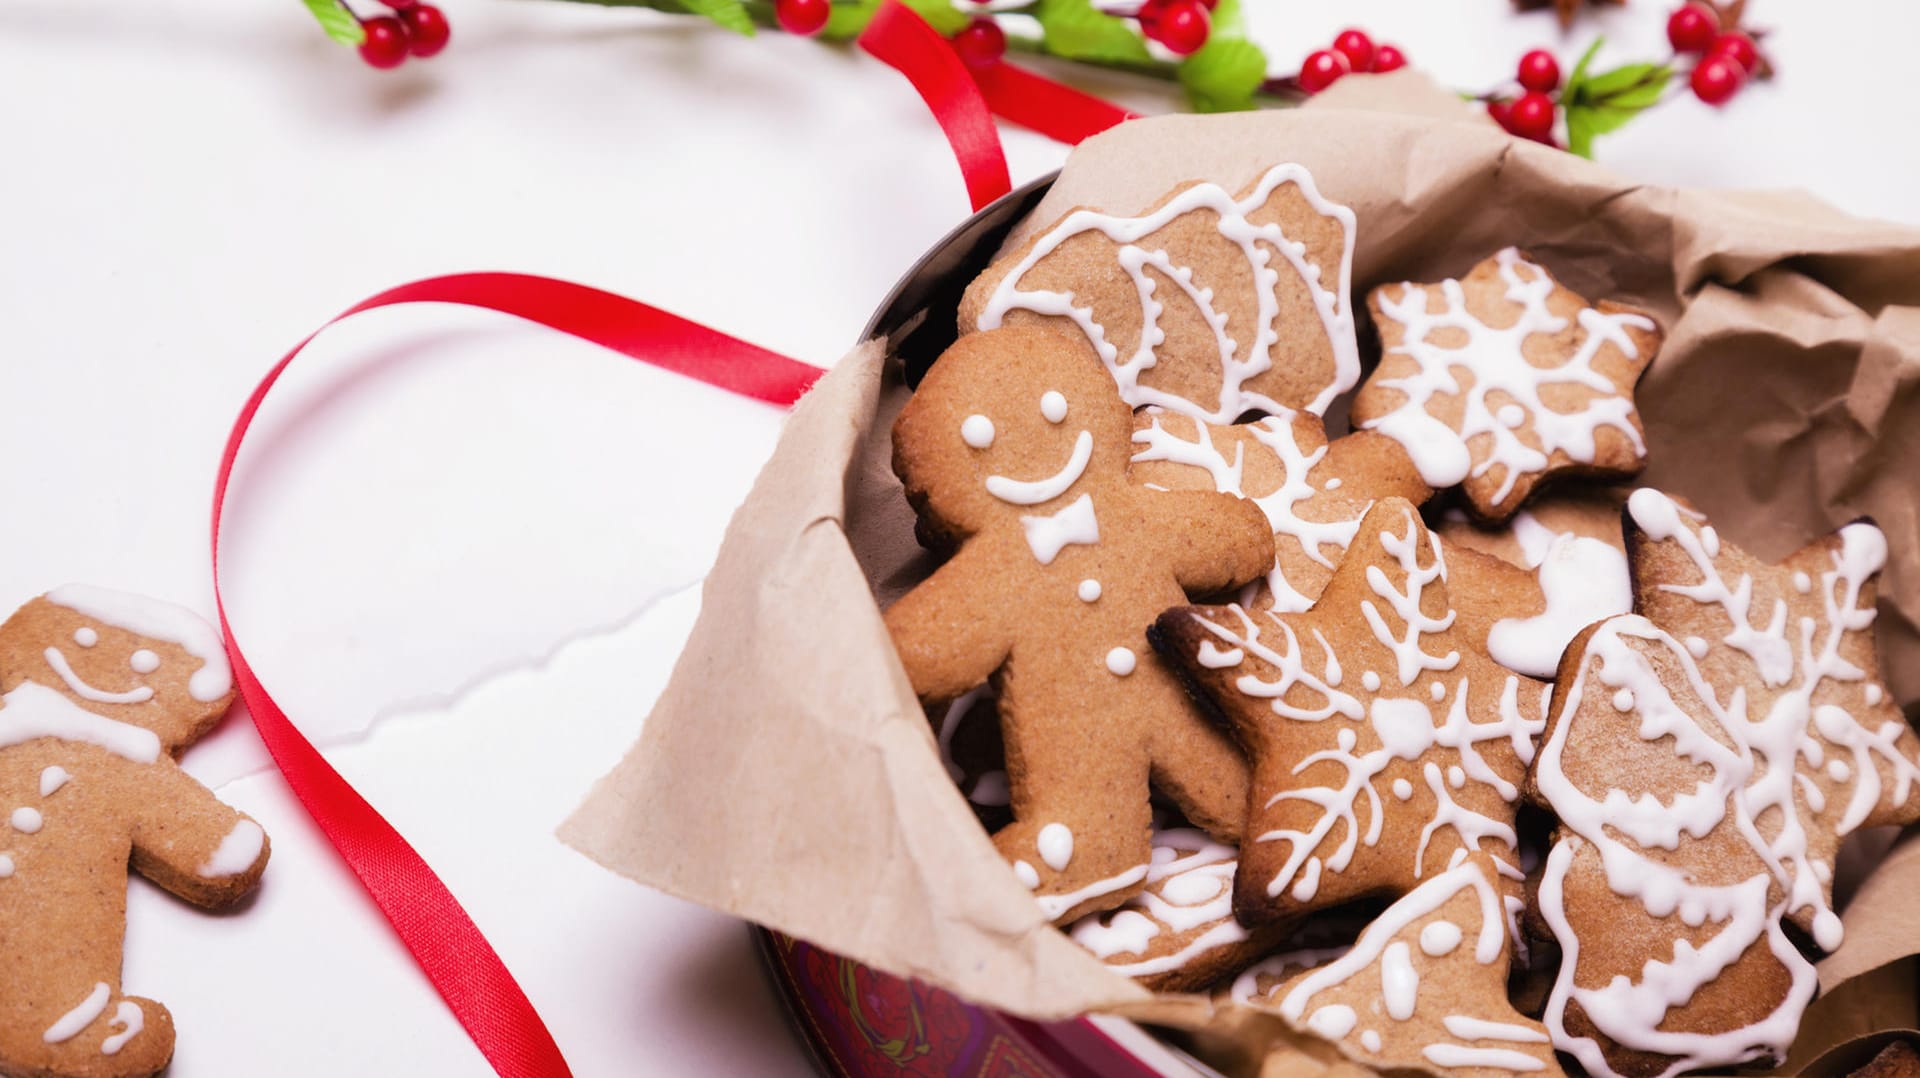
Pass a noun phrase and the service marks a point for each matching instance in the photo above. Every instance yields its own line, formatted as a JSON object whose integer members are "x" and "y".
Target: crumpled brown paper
{"x": 788, "y": 776}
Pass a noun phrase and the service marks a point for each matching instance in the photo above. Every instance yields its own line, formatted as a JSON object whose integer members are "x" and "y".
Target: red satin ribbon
{"x": 962, "y": 98}
{"x": 458, "y": 960}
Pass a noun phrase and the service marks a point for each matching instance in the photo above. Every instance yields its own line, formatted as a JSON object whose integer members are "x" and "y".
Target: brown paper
{"x": 788, "y": 776}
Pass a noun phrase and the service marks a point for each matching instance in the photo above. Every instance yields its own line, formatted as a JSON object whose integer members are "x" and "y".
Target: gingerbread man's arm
{"x": 191, "y": 843}
{"x": 1210, "y": 541}
{"x": 951, "y": 630}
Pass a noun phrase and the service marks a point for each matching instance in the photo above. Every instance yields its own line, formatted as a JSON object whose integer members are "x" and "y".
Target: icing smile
{"x": 59, "y": 663}
{"x": 1023, "y": 492}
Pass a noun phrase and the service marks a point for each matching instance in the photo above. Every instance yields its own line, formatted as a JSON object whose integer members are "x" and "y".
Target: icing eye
{"x": 977, "y": 431}
{"x": 1053, "y": 406}
{"x": 85, "y": 636}
{"x": 144, "y": 662}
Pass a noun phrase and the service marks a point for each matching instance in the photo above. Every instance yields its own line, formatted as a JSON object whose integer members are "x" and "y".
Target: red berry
{"x": 427, "y": 29}
{"x": 1321, "y": 70}
{"x": 1209, "y": 4}
{"x": 1149, "y": 15}
{"x": 1182, "y": 27}
{"x": 1540, "y": 71}
{"x": 1717, "y": 78}
{"x": 982, "y": 43}
{"x": 1388, "y": 58}
{"x": 401, "y": 5}
{"x": 1357, "y": 47}
{"x": 386, "y": 42}
{"x": 1737, "y": 47}
{"x": 1691, "y": 28}
{"x": 803, "y": 17}
{"x": 1532, "y": 116}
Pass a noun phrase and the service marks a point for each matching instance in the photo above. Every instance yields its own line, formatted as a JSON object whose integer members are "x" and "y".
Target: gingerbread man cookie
{"x": 1705, "y": 757}
{"x": 1424, "y": 986}
{"x": 1313, "y": 491}
{"x": 1381, "y": 739}
{"x": 1207, "y": 304}
{"x": 1506, "y": 379}
{"x": 101, "y": 690}
{"x": 1014, "y": 450}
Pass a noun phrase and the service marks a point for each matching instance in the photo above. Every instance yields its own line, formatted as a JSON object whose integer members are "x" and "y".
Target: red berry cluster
{"x": 1352, "y": 51}
{"x": 1180, "y": 25}
{"x": 803, "y": 17}
{"x": 981, "y": 43}
{"x": 414, "y": 29}
{"x": 1728, "y": 57}
{"x": 1532, "y": 114}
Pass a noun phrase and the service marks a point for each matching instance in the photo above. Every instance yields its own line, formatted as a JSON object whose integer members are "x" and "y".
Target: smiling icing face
{"x": 134, "y": 660}
{"x": 1016, "y": 443}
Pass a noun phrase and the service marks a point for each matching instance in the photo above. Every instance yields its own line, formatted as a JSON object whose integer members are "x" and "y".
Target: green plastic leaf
{"x": 846, "y": 18}
{"x": 941, "y": 15}
{"x": 1077, "y": 30}
{"x": 1608, "y": 83}
{"x": 337, "y": 21}
{"x": 1580, "y": 131}
{"x": 1226, "y": 19}
{"x": 1639, "y": 95}
{"x": 1577, "y": 80}
{"x": 731, "y": 14}
{"x": 1224, "y": 74}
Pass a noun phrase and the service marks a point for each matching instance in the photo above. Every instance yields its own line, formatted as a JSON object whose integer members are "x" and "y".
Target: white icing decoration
{"x": 1056, "y": 846}
{"x": 1053, "y": 406}
{"x": 1456, "y": 776}
{"x": 1026, "y": 875}
{"x": 157, "y": 620}
{"x": 1370, "y": 1040}
{"x": 1189, "y": 885}
{"x": 1036, "y": 491}
{"x": 71, "y": 1023}
{"x": 58, "y": 662}
{"x": 1583, "y": 580}
{"x": 27, "y": 821}
{"x": 131, "y": 1021}
{"x": 977, "y": 431}
{"x": 1623, "y": 700}
{"x": 1256, "y": 242}
{"x": 990, "y": 790}
{"x": 1406, "y": 604}
{"x": 1402, "y": 789}
{"x": 1873, "y": 694}
{"x": 1440, "y": 938}
{"x": 6, "y": 867}
{"x": 1333, "y": 1021}
{"x": 1056, "y": 905}
{"x": 1089, "y": 591}
{"x": 86, "y": 636}
{"x": 1468, "y": 1028}
{"x": 950, "y": 722}
{"x": 1459, "y": 1055}
{"x": 1802, "y": 583}
{"x": 1075, "y": 523}
{"x": 1120, "y": 661}
{"x": 1331, "y": 484}
{"x": 1213, "y": 658}
{"x": 1499, "y": 367}
{"x": 143, "y": 661}
{"x": 1399, "y": 981}
{"x": 1370, "y": 681}
{"x": 52, "y": 779}
{"x": 1437, "y": 690}
{"x": 237, "y": 852}
{"x": 34, "y": 711}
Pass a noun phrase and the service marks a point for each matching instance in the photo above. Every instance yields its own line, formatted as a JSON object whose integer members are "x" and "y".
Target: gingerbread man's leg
{"x": 1195, "y": 762}
{"x": 1081, "y": 836}
{"x": 98, "y": 1034}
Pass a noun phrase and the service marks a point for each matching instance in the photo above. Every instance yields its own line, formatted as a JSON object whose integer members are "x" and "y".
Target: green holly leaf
{"x": 1579, "y": 76}
{"x": 1228, "y": 70}
{"x": 1599, "y": 104}
{"x": 1077, "y": 30}
{"x": 337, "y": 21}
{"x": 846, "y": 18}
{"x": 1608, "y": 83}
{"x": 731, "y": 14}
{"x": 941, "y": 15}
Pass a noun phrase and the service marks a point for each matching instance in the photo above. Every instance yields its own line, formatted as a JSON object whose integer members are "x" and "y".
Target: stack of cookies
{"x": 1364, "y": 728}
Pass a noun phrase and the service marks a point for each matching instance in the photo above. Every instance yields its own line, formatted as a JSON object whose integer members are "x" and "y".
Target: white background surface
{"x": 464, "y": 551}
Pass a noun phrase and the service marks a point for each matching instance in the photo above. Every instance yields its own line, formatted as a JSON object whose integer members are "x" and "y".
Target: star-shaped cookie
{"x": 1381, "y": 738}
{"x": 1313, "y": 491}
{"x": 1506, "y": 379}
{"x": 1705, "y": 758}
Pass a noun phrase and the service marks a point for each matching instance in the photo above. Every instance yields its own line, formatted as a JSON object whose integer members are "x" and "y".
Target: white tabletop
{"x": 464, "y": 551}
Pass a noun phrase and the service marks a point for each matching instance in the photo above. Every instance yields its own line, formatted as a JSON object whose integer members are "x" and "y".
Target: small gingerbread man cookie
{"x": 1014, "y": 450}
{"x": 1382, "y": 739}
{"x": 1705, "y": 758}
{"x": 1207, "y": 304}
{"x": 1506, "y": 379}
{"x": 101, "y": 690}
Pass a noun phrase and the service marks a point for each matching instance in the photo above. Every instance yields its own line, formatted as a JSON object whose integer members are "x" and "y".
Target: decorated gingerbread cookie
{"x": 1382, "y": 739}
{"x": 1014, "y": 450}
{"x": 1208, "y": 304}
{"x": 1312, "y": 491}
{"x": 1179, "y": 933}
{"x": 101, "y": 690}
{"x": 1705, "y": 757}
{"x": 1506, "y": 379}
{"x": 1424, "y": 986}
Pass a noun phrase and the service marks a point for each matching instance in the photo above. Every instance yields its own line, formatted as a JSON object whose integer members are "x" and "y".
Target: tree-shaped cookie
{"x": 1424, "y": 986}
{"x": 1014, "y": 450}
{"x": 1313, "y": 491}
{"x": 1382, "y": 739}
{"x": 1705, "y": 757}
{"x": 1505, "y": 379}
{"x": 1207, "y": 304}
{"x": 101, "y": 690}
